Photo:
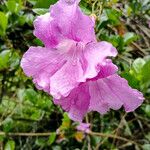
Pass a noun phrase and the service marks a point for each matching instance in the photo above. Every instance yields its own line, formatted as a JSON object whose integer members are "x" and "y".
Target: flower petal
{"x": 65, "y": 79}
{"x": 46, "y": 30}
{"x": 106, "y": 69}
{"x": 95, "y": 55}
{"x": 85, "y": 127}
{"x": 77, "y": 103}
{"x": 73, "y": 24}
{"x": 113, "y": 92}
{"x": 100, "y": 95}
{"x": 81, "y": 65}
{"x": 41, "y": 63}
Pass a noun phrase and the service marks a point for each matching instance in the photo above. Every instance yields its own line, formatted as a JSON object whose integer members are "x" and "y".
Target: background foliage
{"x": 28, "y": 118}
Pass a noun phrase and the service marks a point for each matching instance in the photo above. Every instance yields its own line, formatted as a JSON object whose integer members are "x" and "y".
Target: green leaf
{"x": 40, "y": 11}
{"x": 52, "y": 138}
{"x": 33, "y": 2}
{"x": 29, "y": 18}
{"x": 129, "y": 10}
{"x": 133, "y": 82}
{"x": 147, "y": 110}
{"x": 146, "y": 147}
{"x": 21, "y": 20}
{"x": 130, "y": 37}
{"x": 146, "y": 72}
{"x": 4, "y": 59}
{"x": 45, "y": 4}
{"x": 114, "y": 16}
{"x": 14, "y": 60}
{"x": 56, "y": 148}
{"x": 85, "y": 10}
{"x": 14, "y": 6}
{"x": 138, "y": 64}
{"x": 2, "y": 137}
{"x": 7, "y": 124}
{"x": 30, "y": 95}
{"x": 95, "y": 140}
{"x": 38, "y": 42}
{"x": 20, "y": 94}
{"x": 66, "y": 122}
{"x": 36, "y": 115}
{"x": 11, "y": 5}
{"x": 148, "y": 136}
{"x": 10, "y": 145}
{"x": 145, "y": 2}
{"x": 40, "y": 141}
{"x": 3, "y": 23}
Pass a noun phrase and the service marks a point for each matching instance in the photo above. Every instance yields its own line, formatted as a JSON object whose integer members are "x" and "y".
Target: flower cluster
{"x": 73, "y": 67}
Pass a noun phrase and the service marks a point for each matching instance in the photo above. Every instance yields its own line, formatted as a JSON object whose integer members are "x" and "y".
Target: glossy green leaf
{"x": 45, "y": 4}
{"x": 4, "y": 59}
{"x": 14, "y": 60}
{"x": 40, "y": 141}
{"x": 36, "y": 115}
{"x": 146, "y": 72}
{"x": 52, "y": 138}
{"x": 130, "y": 37}
{"x": 57, "y": 148}
{"x": 14, "y": 6}
{"x": 146, "y": 147}
{"x": 7, "y": 124}
{"x": 30, "y": 95}
{"x": 10, "y": 145}
{"x": 133, "y": 82}
{"x": 113, "y": 15}
{"x": 138, "y": 64}
{"x": 2, "y": 138}
{"x": 3, "y": 23}
{"x": 29, "y": 18}
{"x": 85, "y": 10}
{"x": 40, "y": 11}
{"x": 33, "y": 2}
{"x": 147, "y": 110}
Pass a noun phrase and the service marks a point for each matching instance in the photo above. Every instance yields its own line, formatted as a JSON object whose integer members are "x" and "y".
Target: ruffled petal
{"x": 73, "y": 24}
{"x": 65, "y": 79}
{"x": 113, "y": 92}
{"x": 83, "y": 63}
{"x": 96, "y": 54}
{"x": 46, "y": 30}
{"x": 40, "y": 64}
{"x": 77, "y": 103}
{"x": 100, "y": 95}
{"x": 106, "y": 69}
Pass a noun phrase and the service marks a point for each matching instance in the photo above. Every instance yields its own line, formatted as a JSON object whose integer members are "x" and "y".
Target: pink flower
{"x": 106, "y": 91}
{"x": 73, "y": 67}
{"x": 71, "y": 54}
{"x": 85, "y": 127}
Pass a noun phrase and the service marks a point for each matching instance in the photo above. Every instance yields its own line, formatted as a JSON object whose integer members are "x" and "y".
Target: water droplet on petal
{"x": 74, "y": 62}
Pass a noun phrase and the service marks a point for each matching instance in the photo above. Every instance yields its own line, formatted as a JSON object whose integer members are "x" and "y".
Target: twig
{"x": 121, "y": 124}
{"x": 100, "y": 143}
{"x": 145, "y": 31}
{"x": 113, "y": 136}
{"x": 49, "y": 133}
{"x": 25, "y": 134}
{"x": 139, "y": 48}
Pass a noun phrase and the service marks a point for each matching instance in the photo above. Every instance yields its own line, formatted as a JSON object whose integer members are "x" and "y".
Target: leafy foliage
{"x": 32, "y": 113}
